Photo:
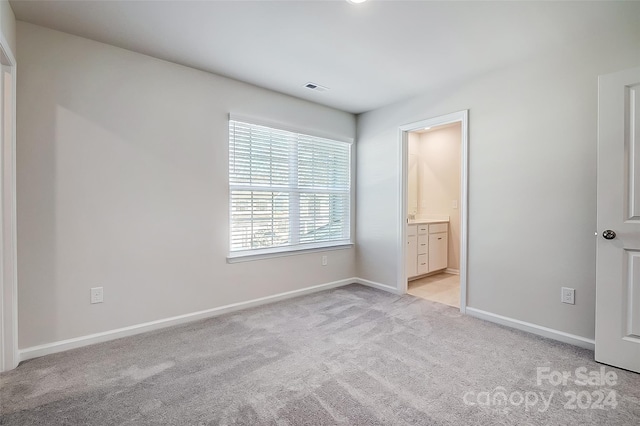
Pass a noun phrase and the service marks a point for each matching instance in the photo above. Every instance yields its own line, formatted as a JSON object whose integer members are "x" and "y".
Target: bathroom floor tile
{"x": 442, "y": 288}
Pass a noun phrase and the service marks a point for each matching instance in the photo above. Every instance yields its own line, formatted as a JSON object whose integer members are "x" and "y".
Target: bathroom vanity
{"x": 427, "y": 247}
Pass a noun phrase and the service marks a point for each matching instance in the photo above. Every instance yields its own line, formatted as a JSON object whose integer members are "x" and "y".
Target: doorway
{"x": 434, "y": 209}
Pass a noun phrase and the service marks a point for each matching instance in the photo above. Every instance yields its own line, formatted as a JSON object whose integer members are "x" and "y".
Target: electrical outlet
{"x": 568, "y": 295}
{"x": 97, "y": 294}
{"x": 324, "y": 261}
{"x": 454, "y": 204}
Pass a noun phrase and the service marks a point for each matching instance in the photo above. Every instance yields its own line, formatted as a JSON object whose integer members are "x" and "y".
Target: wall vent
{"x": 316, "y": 87}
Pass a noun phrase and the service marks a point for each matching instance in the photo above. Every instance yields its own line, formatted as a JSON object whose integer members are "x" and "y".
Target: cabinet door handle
{"x": 440, "y": 238}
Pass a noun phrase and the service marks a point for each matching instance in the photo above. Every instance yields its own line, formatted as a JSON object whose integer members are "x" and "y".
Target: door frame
{"x": 461, "y": 117}
{"x": 9, "y": 356}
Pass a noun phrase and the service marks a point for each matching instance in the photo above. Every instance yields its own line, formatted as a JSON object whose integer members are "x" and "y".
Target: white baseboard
{"x": 550, "y": 333}
{"x": 373, "y": 284}
{"x": 77, "y": 342}
{"x": 452, "y": 271}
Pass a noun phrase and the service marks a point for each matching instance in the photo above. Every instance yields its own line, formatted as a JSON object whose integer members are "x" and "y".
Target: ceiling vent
{"x": 316, "y": 87}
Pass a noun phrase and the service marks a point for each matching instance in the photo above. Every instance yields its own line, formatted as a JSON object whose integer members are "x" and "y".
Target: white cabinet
{"x": 438, "y": 252}
{"x": 412, "y": 251}
{"x": 423, "y": 244}
{"x": 427, "y": 248}
{"x": 438, "y": 227}
{"x": 423, "y": 264}
{"x": 423, "y": 250}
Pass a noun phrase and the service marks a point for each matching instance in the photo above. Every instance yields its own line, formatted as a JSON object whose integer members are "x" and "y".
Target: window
{"x": 288, "y": 190}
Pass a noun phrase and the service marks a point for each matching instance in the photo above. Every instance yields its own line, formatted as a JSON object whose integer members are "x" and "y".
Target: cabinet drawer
{"x": 438, "y": 227}
{"x": 423, "y": 264}
{"x": 411, "y": 230}
{"x": 423, "y": 244}
{"x": 423, "y": 229}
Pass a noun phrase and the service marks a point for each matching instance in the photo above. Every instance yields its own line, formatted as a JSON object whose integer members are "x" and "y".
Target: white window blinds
{"x": 287, "y": 189}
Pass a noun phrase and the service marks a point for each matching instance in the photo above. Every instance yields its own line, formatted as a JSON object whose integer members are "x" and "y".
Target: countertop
{"x": 426, "y": 221}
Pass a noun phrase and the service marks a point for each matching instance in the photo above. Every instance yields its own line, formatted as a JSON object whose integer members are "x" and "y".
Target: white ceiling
{"x": 369, "y": 55}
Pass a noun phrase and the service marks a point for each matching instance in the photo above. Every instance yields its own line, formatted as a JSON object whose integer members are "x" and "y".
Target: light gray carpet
{"x": 352, "y": 355}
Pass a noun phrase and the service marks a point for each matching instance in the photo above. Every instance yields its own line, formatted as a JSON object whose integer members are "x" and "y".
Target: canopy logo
{"x": 594, "y": 392}
{"x": 581, "y": 376}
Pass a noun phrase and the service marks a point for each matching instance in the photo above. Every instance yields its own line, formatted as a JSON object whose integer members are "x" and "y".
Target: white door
{"x": 618, "y": 240}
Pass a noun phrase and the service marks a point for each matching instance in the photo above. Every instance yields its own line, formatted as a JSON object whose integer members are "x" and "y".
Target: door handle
{"x": 608, "y": 234}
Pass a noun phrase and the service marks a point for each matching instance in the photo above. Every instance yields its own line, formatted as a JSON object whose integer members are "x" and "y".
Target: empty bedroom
{"x": 331, "y": 212}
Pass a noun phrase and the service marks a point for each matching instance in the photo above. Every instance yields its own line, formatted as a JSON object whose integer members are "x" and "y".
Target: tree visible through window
{"x": 287, "y": 189}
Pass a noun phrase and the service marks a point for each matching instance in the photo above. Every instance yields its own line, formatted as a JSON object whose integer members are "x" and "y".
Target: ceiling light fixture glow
{"x": 427, "y": 128}
{"x": 356, "y": 1}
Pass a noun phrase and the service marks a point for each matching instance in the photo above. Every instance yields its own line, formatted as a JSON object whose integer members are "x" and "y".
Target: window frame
{"x": 293, "y": 249}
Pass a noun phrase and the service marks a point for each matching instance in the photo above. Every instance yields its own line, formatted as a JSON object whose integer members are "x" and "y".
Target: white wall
{"x": 439, "y": 153}
{"x": 532, "y": 194}
{"x": 122, "y": 183}
{"x": 413, "y": 187}
{"x": 8, "y": 25}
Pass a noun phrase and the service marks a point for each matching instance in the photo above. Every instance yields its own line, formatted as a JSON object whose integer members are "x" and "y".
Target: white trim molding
{"x": 9, "y": 356}
{"x": 77, "y": 342}
{"x": 452, "y": 271}
{"x": 290, "y": 251}
{"x": 461, "y": 117}
{"x": 379, "y": 286}
{"x": 549, "y": 333}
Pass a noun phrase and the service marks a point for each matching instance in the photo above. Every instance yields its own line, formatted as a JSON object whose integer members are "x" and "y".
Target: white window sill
{"x": 247, "y": 256}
